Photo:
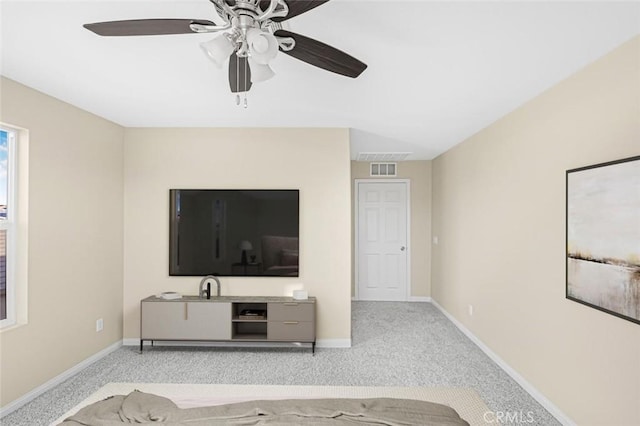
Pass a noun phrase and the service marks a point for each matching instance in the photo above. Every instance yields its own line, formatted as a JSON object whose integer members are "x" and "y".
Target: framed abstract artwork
{"x": 603, "y": 237}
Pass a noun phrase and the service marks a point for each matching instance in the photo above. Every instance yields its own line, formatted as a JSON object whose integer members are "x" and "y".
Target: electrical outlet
{"x": 99, "y": 324}
{"x": 470, "y": 310}
{"x": 435, "y": 240}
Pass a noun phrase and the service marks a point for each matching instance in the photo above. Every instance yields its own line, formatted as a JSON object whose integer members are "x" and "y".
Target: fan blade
{"x": 141, "y": 27}
{"x": 322, "y": 55}
{"x": 239, "y": 74}
{"x": 296, "y": 7}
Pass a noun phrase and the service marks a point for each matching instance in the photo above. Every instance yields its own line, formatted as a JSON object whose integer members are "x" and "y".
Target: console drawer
{"x": 294, "y": 331}
{"x": 290, "y": 311}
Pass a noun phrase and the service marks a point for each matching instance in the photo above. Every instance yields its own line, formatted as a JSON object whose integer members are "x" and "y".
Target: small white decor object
{"x": 300, "y": 294}
{"x": 170, "y": 295}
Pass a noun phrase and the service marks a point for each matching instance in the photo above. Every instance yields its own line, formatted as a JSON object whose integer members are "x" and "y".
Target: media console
{"x": 228, "y": 319}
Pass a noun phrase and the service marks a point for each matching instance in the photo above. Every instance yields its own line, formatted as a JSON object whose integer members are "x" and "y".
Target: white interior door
{"x": 382, "y": 267}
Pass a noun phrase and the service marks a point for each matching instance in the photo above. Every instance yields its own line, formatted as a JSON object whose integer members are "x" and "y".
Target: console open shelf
{"x": 249, "y": 330}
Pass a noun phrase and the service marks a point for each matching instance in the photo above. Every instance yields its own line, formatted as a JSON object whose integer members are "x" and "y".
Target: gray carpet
{"x": 393, "y": 344}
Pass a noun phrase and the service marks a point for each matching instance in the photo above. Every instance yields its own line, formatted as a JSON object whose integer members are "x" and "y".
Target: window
{"x": 7, "y": 226}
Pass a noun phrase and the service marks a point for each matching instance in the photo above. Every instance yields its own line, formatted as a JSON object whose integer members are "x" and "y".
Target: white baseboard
{"x": 333, "y": 343}
{"x": 14, "y": 405}
{"x": 320, "y": 343}
{"x": 410, "y": 299}
{"x": 535, "y": 393}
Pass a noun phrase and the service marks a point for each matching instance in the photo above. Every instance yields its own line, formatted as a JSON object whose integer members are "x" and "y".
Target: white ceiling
{"x": 438, "y": 71}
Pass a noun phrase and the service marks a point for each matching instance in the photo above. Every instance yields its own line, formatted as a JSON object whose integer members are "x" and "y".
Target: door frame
{"x": 356, "y": 215}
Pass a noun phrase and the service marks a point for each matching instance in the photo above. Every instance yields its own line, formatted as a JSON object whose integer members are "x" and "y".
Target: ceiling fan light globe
{"x": 260, "y": 44}
{"x": 218, "y": 49}
{"x": 260, "y": 72}
{"x": 263, "y": 46}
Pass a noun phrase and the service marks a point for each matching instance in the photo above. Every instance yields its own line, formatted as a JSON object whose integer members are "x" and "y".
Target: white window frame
{"x": 10, "y": 226}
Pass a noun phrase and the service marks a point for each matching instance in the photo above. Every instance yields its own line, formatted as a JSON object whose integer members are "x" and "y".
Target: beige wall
{"x": 419, "y": 173}
{"x": 499, "y": 213}
{"x": 316, "y": 161}
{"x": 75, "y": 239}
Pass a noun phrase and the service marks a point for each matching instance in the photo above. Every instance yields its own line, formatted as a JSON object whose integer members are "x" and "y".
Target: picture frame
{"x": 603, "y": 237}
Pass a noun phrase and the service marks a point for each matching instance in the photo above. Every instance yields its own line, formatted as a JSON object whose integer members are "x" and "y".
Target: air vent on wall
{"x": 382, "y": 156}
{"x": 383, "y": 169}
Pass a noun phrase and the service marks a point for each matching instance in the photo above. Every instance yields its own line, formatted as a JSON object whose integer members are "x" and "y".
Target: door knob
{"x": 403, "y": 248}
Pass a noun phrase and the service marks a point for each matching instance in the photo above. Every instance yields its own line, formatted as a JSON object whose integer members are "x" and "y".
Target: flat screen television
{"x": 229, "y": 232}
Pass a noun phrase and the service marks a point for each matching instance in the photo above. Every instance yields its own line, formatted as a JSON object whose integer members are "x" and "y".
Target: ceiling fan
{"x": 251, "y": 35}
